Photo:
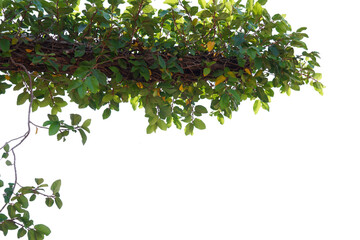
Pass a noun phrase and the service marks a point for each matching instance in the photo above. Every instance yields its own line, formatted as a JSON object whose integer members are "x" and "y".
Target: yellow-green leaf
{"x": 257, "y": 106}
{"x": 210, "y": 46}
{"x": 220, "y": 79}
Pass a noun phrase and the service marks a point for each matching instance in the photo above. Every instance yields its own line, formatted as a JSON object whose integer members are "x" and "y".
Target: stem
{"x": 26, "y": 134}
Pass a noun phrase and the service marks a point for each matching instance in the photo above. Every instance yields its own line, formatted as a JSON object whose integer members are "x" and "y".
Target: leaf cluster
{"x": 17, "y": 217}
{"x": 165, "y": 61}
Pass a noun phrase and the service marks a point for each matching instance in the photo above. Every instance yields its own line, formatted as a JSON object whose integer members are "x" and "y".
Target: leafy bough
{"x": 164, "y": 61}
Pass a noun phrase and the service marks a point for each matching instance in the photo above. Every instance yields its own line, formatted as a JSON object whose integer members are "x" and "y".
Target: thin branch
{"x": 26, "y": 134}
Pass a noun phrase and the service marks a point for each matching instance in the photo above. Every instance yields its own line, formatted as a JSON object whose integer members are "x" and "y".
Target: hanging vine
{"x": 168, "y": 62}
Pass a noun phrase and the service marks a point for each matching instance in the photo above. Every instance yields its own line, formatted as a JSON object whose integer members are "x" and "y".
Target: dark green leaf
{"x": 54, "y": 128}
{"x": 3, "y": 217}
{"x": 23, "y": 201}
{"x": 4, "y": 45}
{"x": 224, "y": 101}
{"x": 106, "y": 113}
{"x": 49, "y": 202}
{"x": 235, "y": 94}
{"x": 32, "y": 198}
{"x": 83, "y": 136}
{"x": 262, "y": 95}
{"x": 75, "y": 119}
{"x": 82, "y": 90}
{"x": 92, "y": 83}
{"x": 21, "y": 232}
{"x": 162, "y": 63}
{"x": 9, "y": 224}
{"x": 274, "y": 50}
{"x": 201, "y": 109}
{"x": 7, "y": 147}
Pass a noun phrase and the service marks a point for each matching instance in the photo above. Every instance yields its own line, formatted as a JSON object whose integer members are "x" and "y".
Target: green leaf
{"x": 82, "y": 90}
{"x": 177, "y": 122}
{"x": 92, "y": 83}
{"x": 257, "y": 9}
{"x": 23, "y": 201}
{"x": 32, "y": 198}
{"x": 4, "y": 45}
{"x": 151, "y": 128}
{"x": 43, "y": 229}
{"x": 74, "y": 85}
{"x": 161, "y": 124}
{"x": 317, "y": 76}
{"x": 202, "y": 3}
{"x": 274, "y": 50}
{"x": 83, "y": 136}
{"x": 162, "y": 63}
{"x": 171, "y": 2}
{"x": 145, "y": 73}
{"x": 58, "y": 202}
{"x": 257, "y": 106}
{"x": 148, "y": 9}
{"x": 265, "y": 106}
{"x": 21, "y": 99}
{"x": 199, "y": 124}
{"x": 86, "y": 123}
{"x": 5, "y": 155}
{"x": 39, "y": 181}
{"x": 54, "y": 128}
{"x": 106, "y": 113}
{"x": 301, "y": 29}
{"x": 21, "y": 232}
{"x": 10, "y": 224}
{"x": 3, "y": 217}
{"x": 7, "y": 147}
{"x": 55, "y": 187}
{"x": 49, "y": 202}
{"x": 52, "y": 118}
{"x": 249, "y": 5}
{"x": 31, "y": 234}
{"x": 235, "y": 94}
{"x": 262, "y": 2}
{"x": 224, "y": 101}
{"x": 189, "y": 129}
{"x": 206, "y": 71}
{"x": 100, "y": 76}
{"x": 75, "y": 119}
{"x": 200, "y": 109}
{"x": 79, "y": 53}
{"x": 262, "y": 95}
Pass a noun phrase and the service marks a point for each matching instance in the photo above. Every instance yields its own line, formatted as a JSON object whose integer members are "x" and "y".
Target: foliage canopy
{"x": 165, "y": 61}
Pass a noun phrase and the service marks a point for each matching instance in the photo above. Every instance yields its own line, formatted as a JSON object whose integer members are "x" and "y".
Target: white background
{"x": 292, "y": 173}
